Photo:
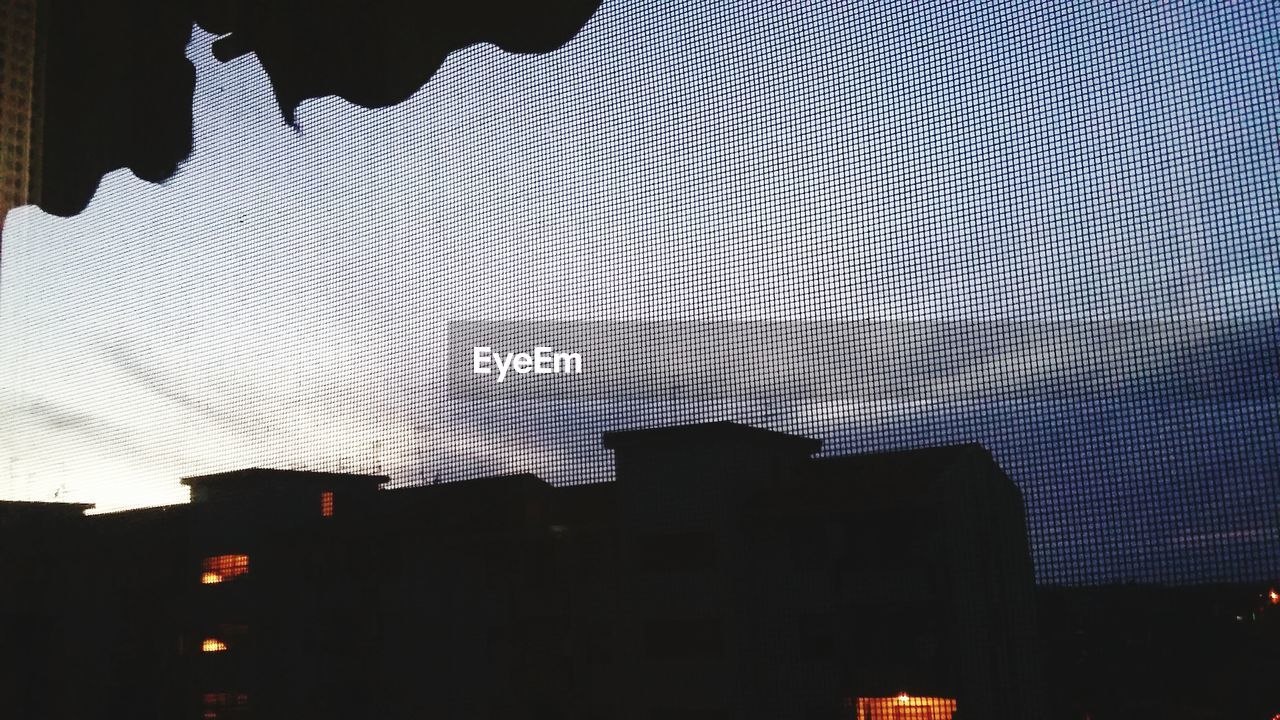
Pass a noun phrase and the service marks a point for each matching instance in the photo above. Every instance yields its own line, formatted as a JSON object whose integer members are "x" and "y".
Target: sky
{"x": 1049, "y": 230}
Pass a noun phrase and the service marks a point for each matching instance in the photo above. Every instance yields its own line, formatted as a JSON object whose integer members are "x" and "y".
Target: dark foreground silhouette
{"x": 115, "y": 88}
{"x": 725, "y": 573}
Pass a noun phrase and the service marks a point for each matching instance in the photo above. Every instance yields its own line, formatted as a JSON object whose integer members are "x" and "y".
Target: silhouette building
{"x": 724, "y": 573}
{"x": 18, "y": 103}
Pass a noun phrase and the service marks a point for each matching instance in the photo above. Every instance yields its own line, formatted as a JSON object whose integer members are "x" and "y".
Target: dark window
{"x": 675, "y": 552}
{"x": 683, "y": 638}
{"x": 224, "y": 704}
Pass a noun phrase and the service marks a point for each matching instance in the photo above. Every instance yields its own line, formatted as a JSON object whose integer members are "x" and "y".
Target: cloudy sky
{"x": 1052, "y": 231}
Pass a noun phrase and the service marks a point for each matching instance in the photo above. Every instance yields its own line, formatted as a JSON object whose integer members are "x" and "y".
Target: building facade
{"x": 724, "y": 573}
{"x": 19, "y": 104}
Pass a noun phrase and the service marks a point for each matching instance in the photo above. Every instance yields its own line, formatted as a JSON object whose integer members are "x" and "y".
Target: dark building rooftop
{"x": 259, "y": 480}
{"x": 708, "y": 434}
{"x": 299, "y": 593}
{"x": 13, "y": 508}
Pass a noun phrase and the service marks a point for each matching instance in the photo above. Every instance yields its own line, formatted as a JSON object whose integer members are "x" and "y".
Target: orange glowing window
{"x": 223, "y": 637}
{"x": 221, "y": 568}
{"x": 210, "y": 645}
{"x": 326, "y": 503}
{"x": 906, "y": 707}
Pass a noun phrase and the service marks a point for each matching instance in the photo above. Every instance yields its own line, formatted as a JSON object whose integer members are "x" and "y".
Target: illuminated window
{"x": 223, "y": 637}
{"x": 221, "y": 568}
{"x": 326, "y": 503}
{"x": 906, "y": 707}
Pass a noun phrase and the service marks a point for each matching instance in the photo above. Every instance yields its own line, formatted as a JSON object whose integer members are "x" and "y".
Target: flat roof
{"x": 309, "y": 477}
{"x": 44, "y": 506}
{"x": 707, "y": 433}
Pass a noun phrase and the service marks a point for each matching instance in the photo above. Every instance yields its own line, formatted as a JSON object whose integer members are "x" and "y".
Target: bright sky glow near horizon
{"x": 283, "y": 300}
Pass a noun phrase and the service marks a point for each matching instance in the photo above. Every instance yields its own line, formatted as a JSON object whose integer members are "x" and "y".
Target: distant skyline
{"x": 284, "y": 300}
